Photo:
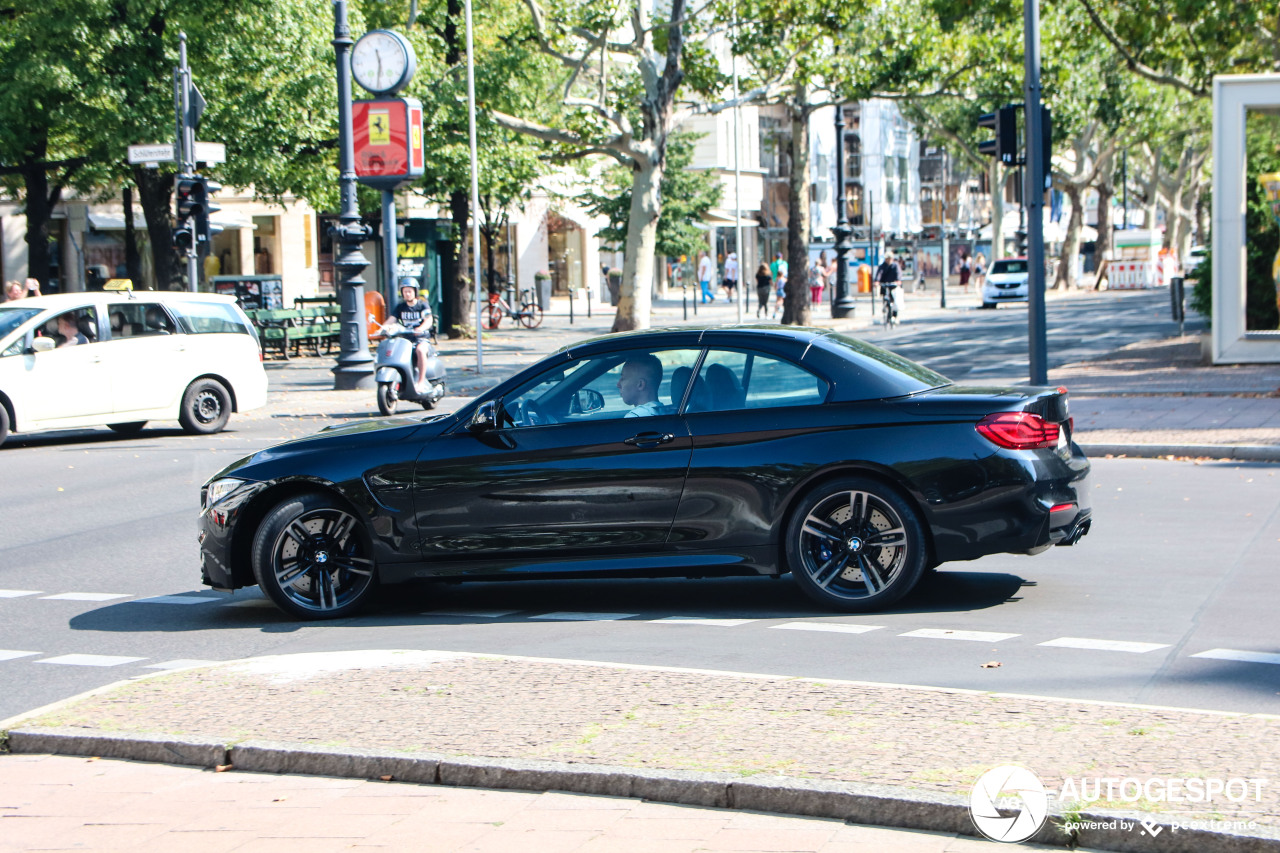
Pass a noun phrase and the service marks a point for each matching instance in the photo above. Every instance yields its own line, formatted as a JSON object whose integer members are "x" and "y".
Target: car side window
{"x": 628, "y": 383}
{"x": 734, "y": 379}
{"x": 138, "y": 319}
{"x": 71, "y": 328}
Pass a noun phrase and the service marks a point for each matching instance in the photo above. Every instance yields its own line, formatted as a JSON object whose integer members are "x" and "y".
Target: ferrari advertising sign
{"x": 388, "y": 141}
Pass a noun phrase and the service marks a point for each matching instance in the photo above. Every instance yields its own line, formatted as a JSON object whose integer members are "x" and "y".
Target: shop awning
{"x": 115, "y": 221}
{"x": 718, "y": 217}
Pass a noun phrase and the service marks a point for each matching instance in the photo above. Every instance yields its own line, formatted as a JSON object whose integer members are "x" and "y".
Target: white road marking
{"x": 174, "y": 599}
{"x": 17, "y": 593}
{"x": 1236, "y": 654}
{"x": 84, "y": 596}
{"x": 181, "y": 664}
{"x": 834, "y": 627}
{"x": 89, "y": 660}
{"x": 697, "y": 620}
{"x": 973, "y": 636}
{"x": 471, "y": 614}
{"x": 571, "y": 616}
{"x": 10, "y": 654}
{"x": 1104, "y": 645}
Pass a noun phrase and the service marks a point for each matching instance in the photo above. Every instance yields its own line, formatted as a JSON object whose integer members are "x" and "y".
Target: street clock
{"x": 383, "y": 62}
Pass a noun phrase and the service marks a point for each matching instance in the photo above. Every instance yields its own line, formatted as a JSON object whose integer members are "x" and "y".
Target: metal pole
{"x": 354, "y": 369}
{"x": 389, "y": 245}
{"x": 186, "y": 153}
{"x": 1033, "y": 194}
{"x": 842, "y": 301}
{"x": 871, "y": 253}
{"x": 475, "y": 187}
{"x": 946, "y": 248}
{"x": 1124, "y": 184}
{"x": 737, "y": 177}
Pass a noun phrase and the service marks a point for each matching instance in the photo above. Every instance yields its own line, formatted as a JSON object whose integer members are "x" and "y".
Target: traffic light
{"x": 186, "y": 191}
{"x": 1004, "y": 122}
{"x": 183, "y": 238}
{"x": 202, "y": 207}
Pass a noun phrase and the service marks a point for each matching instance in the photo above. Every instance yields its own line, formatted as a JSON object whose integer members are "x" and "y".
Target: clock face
{"x": 382, "y": 61}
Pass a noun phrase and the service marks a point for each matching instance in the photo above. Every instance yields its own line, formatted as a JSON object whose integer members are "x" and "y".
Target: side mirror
{"x": 485, "y": 418}
{"x": 43, "y": 345}
{"x": 590, "y": 400}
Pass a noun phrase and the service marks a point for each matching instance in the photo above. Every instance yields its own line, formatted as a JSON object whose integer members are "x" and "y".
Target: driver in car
{"x": 638, "y": 386}
{"x": 414, "y": 315}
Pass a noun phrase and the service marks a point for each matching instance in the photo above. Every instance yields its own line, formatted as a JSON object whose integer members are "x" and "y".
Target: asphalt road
{"x": 1180, "y": 562}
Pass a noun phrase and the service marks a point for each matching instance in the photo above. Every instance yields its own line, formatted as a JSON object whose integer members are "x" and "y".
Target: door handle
{"x": 649, "y": 439}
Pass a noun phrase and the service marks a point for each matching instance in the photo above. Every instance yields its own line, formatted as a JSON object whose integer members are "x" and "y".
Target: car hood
{"x": 1006, "y": 277}
{"x": 332, "y": 443}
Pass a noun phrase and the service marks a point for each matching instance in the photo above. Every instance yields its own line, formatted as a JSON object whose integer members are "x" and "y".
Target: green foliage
{"x": 1262, "y": 232}
{"x": 687, "y": 196}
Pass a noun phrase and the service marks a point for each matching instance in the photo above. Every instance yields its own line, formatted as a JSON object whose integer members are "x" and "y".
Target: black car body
{"x": 781, "y": 449}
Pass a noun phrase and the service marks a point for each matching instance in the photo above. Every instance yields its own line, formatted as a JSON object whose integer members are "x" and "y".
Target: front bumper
{"x": 223, "y": 555}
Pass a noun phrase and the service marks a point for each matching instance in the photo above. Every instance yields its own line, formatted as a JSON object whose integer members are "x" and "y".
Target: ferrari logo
{"x": 379, "y": 127}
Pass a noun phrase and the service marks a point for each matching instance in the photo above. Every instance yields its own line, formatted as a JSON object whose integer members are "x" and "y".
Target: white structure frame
{"x": 1233, "y": 97}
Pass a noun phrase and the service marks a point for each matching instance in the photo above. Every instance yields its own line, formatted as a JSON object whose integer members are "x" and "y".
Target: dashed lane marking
{"x": 698, "y": 620}
{"x": 1104, "y": 645}
{"x": 472, "y": 614}
{"x": 833, "y": 627}
{"x": 572, "y": 616}
{"x": 10, "y": 654}
{"x": 1238, "y": 655}
{"x": 90, "y": 660}
{"x": 84, "y": 596}
{"x": 972, "y": 636}
{"x": 17, "y": 593}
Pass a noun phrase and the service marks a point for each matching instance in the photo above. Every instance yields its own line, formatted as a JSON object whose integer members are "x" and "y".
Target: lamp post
{"x": 355, "y": 366}
{"x": 842, "y": 304}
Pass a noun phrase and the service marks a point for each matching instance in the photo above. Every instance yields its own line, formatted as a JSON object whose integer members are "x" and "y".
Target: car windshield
{"x": 12, "y": 316}
{"x": 1008, "y": 267}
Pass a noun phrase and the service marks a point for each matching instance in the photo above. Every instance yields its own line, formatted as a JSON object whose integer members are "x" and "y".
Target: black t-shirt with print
{"x": 410, "y": 316}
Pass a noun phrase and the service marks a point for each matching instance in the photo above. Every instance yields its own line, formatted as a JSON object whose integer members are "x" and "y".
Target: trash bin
{"x": 542, "y": 292}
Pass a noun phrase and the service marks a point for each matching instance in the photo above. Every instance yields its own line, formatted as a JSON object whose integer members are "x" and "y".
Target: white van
{"x": 125, "y": 358}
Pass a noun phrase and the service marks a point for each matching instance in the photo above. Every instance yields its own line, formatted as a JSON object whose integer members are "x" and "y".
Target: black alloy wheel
{"x": 855, "y": 545}
{"x": 206, "y": 407}
{"x": 313, "y": 558}
{"x": 388, "y": 397}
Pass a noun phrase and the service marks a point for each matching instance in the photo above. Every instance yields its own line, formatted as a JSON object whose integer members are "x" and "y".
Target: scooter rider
{"x": 415, "y": 315}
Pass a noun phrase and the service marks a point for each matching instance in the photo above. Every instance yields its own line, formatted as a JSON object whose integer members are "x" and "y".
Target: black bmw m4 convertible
{"x": 680, "y": 452}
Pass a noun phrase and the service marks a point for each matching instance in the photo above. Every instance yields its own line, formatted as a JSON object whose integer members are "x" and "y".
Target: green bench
{"x": 283, "y": 329}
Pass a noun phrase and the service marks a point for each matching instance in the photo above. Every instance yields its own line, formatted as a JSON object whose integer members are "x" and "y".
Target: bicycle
{"x": 529, "y": 315}
{"x": 890, "y": 307}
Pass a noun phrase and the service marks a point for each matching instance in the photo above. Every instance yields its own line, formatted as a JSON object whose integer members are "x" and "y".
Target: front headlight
{"x": 219, "y": 489}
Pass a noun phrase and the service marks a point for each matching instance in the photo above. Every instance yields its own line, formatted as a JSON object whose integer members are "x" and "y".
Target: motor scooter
{"x": 396, "y": 370}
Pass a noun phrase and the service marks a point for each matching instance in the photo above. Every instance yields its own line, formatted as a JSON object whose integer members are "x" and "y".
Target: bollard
{"x": 588, "y": 303}
{"x": 1178, "y": 297}
{"x": 572, "y": 299}
{"x": 684, "y": 301}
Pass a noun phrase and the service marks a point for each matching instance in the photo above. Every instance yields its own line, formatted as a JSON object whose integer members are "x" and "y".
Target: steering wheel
{"x": 531, "y": 414}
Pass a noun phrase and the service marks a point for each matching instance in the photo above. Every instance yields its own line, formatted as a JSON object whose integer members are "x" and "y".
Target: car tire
{"x": 4, "y": 423}
{"x": 387, "y": 398}
{"x": 131, "y": 428}
{"x": 855, "y": 545}
{"x": 988, "y": 305}
{"x": 206, "y": 407}
{"x": 313, "y": 558}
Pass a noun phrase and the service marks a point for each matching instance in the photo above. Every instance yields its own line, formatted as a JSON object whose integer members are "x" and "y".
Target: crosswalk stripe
{"x": 1104, "y": 645}
{"x": 572, "y": 616}
{"x": 90, "y": 660}
{"x": 84, "y": 596}
{"x": 17, "y": 593}
{"x": 973, "y": 636}
{"x": 472, "y": 614}
{"x": 834, "y": 627}
{"x": 174, "y": 599}
{"x": 10, "y": 654}
{"x": 697, "y": 620}
{"x": 1238, "y": 655}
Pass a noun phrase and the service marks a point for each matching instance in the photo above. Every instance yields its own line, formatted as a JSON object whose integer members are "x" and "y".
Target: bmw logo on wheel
{"x": 1022, "y": 793}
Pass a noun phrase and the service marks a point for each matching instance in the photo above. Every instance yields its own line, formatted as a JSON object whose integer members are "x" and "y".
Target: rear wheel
{"x": 131, "y": 428}
{"x": 494, "y": 317}
{"x": 388, "y": 397}
{"x": 988, "y": 305}
{"x": 313, "y": 559}
{"x": 855, "y": 545}
{"x": 206, "y": 407}
{"x": 530, "y": 315}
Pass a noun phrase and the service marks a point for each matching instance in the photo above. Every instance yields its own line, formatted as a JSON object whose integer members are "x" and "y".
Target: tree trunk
{"x": 998, "y": 249}
{"x": 154, "y": 189}
{"x": 1151, "y": 187}
{"x": 1106, "y": 192}
{"x": 635, "y": 301}
{"x": 39, "y": 208}
{"x": 132, "y": 260}
{"x": 454, "y": 265}
{"x": 796, "y": 308}
{"x": 1066, "y": 277}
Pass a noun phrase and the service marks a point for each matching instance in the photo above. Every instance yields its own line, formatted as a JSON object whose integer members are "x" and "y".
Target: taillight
{"x": 1018, "y": 430}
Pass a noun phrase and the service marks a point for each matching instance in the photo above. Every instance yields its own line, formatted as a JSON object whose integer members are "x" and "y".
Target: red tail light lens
{"x": 1018, "y": 430}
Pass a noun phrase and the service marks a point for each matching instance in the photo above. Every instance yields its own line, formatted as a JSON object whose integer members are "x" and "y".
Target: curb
{"x": 851, "y": 802}
{"x": 1242, "y": 452}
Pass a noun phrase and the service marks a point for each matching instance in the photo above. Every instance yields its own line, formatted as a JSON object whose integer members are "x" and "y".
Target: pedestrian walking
{"x": 817, "y": 279}
{"x": 979, "y": 271}
{"x": 731, "y": 273}
{"x": 764, "y": 286}
{"x": 706, "y": 273}
{"x": 966, "y": 270}
{"x": 779, "y": 270}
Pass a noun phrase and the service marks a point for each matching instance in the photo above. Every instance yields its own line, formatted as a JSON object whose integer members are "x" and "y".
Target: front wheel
{"x": 313, "y": 558}
{"x": 855, "y": 545}
{"x": 888, "y": 315}
{"x": 530, "y": 315}
{"x": 206, "y": 407}
{"x": 388, "y": 396}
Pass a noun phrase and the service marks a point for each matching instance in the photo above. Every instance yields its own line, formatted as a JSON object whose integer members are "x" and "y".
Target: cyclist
{"x": 887, "y": 276}
{"x": 415, "y": 315}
